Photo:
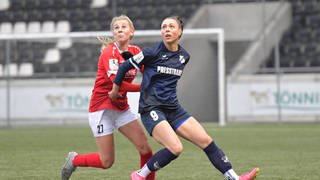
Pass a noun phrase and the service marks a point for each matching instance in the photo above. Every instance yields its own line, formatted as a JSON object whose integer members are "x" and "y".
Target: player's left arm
{"x": 126, "y": 86}
{"x": 133, "y": 62}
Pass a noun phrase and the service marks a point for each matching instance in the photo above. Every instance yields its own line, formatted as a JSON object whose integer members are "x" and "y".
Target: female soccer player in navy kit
{"x": 162, "y": 115}
{"x": 106, "y": 114}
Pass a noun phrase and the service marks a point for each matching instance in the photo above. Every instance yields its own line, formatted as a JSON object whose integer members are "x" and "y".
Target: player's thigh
{"x": 193, "y": 131}
{"x": 127, "y": 123}
{"x": 165, "y": 135}
{"x": 135, "y": 133}
{"x": 157, "y": 125}
{"x": 102, "y": 126}
{"x": 105, "y": 146}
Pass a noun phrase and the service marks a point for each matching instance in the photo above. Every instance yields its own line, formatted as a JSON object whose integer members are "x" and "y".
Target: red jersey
{"x": 108, "y": 64}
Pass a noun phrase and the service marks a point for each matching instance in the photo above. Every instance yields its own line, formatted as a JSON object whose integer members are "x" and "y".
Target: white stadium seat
{"x": 6, "y": 28}
{"x": 63, "y": 26}
{"x": 34, "y": 27}
{"x": 25, "y": 69}
{"x": 48, "y": 27}
{"x": 99, "y": 3}
{"x": 13, "y": 69}
{"x": 4, "y": 5}
{"x": 20, "y": 27}
{"x": 52, "y": 56}
{"x": 64, "y": 43}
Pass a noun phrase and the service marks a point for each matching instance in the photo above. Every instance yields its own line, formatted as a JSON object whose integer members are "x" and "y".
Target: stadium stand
{"x": 299, "y": 46}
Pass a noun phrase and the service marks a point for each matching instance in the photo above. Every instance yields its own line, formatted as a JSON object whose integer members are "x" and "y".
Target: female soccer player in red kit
{"x": 106, "y": 114}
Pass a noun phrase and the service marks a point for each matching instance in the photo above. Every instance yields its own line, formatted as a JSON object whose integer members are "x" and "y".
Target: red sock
{"x": 143, "y": 160}
{"x": 88, "y": 160}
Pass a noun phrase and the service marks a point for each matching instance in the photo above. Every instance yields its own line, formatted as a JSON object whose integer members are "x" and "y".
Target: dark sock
{"x": 217, "y": 157}
{"x": 160, "y": 159}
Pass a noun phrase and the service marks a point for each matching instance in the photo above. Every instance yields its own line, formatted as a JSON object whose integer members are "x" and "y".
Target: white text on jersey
{"x": 167, "y": 70}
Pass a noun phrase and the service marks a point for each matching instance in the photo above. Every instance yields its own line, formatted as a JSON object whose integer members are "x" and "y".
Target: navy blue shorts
{"x": 175, "y": 117}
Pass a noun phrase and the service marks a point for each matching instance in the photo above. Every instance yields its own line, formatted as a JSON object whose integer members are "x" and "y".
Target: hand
{"x": 114, "y": 93}
{"x": 126, "y": 55}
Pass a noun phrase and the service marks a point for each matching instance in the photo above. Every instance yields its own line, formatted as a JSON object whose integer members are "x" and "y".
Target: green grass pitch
{"x": 282, "y": 151}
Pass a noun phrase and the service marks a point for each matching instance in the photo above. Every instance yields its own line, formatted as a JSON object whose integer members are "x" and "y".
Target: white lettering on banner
{"x": 58, "y": 101}
{"x": 298, "y": 99}
{"x": 67, "y": 102}
{"x": 287, "y": 99}
{"x": 263, "y": 99}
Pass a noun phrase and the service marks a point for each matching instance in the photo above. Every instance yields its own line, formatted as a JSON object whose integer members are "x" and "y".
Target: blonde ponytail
{"x": 105, "y": 41}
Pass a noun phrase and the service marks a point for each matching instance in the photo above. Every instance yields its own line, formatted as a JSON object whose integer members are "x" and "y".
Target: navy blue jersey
{"x": 162, "y": 70}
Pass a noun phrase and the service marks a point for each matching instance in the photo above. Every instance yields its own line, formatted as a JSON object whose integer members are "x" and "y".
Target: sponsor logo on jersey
{"x": 113, "y": 64}
{"x": 167, "y": 70}
{"x": 181, "y": 59}
{"x": 164, "y": 57}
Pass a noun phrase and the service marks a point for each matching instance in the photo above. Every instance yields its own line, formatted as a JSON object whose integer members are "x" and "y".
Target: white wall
{"x": 259, "y": 98}
{"x": 49, "y": 101}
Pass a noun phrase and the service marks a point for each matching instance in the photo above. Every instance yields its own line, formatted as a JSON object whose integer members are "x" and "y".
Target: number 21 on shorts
{"x": 100, "y": 128}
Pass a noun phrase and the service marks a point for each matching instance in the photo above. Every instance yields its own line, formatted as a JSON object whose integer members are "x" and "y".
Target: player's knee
{"x": 176, "y": 149}
{"x": 205, "y": 141}
{"x": 107, "y": 162}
